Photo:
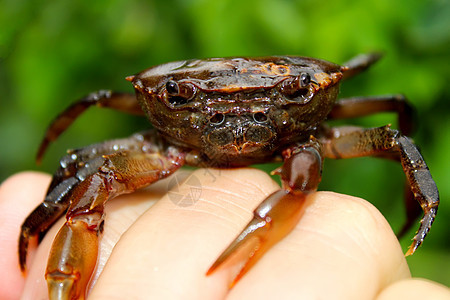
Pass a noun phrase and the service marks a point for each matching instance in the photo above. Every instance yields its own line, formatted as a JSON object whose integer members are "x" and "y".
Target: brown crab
{"x": 220, "y": 112}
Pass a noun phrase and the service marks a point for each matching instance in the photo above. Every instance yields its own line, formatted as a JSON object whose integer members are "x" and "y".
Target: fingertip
{"x": 19, "y": 194}
{"x": 415, "y": 288}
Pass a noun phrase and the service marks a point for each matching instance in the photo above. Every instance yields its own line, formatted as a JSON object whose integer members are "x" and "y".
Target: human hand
{"x": 342, "y": 247}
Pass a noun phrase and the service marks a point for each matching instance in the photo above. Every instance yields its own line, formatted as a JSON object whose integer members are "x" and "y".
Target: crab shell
{"x": 239, "y": 108}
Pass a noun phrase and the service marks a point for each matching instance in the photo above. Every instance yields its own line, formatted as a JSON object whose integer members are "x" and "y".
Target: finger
{"x": 166, "y": 253}
{"x": 342, "y": 248}
{"x": 18, "y": 197}
{"x": 415, "y": 289}
{"x": 166, "y": 270}
{"x": 228, "y": 219}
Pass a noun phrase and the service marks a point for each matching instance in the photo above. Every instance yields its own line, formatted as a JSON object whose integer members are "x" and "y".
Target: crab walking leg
{"x": 104, "y": 98}
{"x": 74, "y": 168}
{"x": 278, "y": 214}
{"x": 359, "y": 64}
{"x": 363, "y": 106}
{"x": 364, "y": 142}
{"x": 73, "y": 255}
{"x": 413, "y": 211}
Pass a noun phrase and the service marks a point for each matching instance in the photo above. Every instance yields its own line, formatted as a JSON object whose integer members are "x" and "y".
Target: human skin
{"x": 342, "y": 248}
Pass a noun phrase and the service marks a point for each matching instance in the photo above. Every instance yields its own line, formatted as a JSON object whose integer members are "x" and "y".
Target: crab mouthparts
{"x": 244, "y": 147}
{"x": 241, "y": 140}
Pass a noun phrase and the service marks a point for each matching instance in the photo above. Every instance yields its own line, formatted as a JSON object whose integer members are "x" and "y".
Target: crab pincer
{"x": 90, "y": 179}
{"x": 280, "y": 212}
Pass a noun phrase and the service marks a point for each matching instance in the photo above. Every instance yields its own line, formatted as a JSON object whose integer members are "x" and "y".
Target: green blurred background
{"x": 54, "y": 52}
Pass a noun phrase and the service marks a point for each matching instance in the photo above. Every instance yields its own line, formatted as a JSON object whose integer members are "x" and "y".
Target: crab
{"x": 222, "y": 113}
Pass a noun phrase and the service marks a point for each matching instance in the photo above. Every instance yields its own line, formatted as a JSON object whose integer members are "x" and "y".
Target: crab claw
{"x": 72, "y": 260}
{"x": 273, "y": 219}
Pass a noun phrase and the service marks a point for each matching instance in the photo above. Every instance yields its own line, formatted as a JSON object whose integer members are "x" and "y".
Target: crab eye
{"x": 297, "y": 88}
{"x": 179, "y": 93}
{"x": 172, "y": 88}
{"x": 305, "y": 79}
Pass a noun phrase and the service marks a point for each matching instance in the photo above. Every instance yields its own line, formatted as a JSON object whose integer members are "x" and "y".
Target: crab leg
{"x": 134, "y": 163}
{"x": 74, "y": 167}
{"x": 359, "y": 63}
{"x": 104, "y": 98}
{"x": 278, "y": 214}
{"x": 347, "y": 143}
{"x": 413, "y": 211}
{"x": 363, "y": 106}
